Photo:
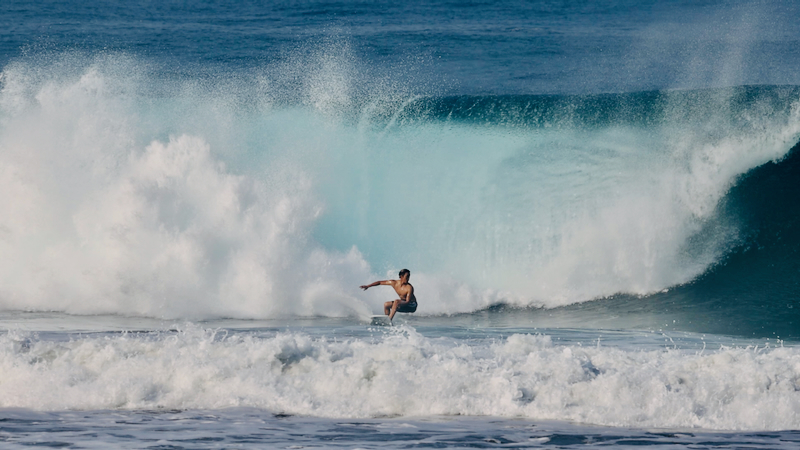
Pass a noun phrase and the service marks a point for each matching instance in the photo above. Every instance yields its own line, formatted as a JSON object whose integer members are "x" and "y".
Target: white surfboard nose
{"x": 380, "y": 321}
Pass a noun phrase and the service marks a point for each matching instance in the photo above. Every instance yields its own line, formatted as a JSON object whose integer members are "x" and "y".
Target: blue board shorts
{"x": 408, "y": 307}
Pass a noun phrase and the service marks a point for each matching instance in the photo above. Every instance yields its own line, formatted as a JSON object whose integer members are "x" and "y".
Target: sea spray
{"x": 102, "y": 220}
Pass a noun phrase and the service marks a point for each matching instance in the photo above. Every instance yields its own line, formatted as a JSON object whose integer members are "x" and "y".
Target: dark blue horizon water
{"x": 507, "y": 47}
{"x": 247, "y": 428}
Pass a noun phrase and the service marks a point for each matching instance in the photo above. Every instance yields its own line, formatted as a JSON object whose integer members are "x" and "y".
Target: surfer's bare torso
{"x": 407, "y": 301}
{"x": 404, "y": 291}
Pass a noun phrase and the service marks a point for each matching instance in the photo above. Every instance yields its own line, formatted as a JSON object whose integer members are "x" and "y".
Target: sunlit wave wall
{"x": 277, "y": 191}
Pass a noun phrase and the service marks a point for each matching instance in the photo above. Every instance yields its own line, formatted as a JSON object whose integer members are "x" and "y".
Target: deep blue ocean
{"x": 597, "y": 202}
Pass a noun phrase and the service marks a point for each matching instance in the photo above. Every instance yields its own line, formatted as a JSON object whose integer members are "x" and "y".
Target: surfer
{"x": 407, "y": 302}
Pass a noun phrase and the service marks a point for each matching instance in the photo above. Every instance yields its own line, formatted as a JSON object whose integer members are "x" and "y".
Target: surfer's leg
{"x": 387, "y": 306}
{"x": 395, "y": 304}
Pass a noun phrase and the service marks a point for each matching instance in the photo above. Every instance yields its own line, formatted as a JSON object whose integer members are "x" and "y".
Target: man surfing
{"x": 406, "y": 303}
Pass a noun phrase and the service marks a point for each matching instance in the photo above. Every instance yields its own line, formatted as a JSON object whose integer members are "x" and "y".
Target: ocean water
{"x": 597, "y": 202}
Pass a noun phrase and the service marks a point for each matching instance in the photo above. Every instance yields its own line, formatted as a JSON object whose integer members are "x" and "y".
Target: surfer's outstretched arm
{"x": 377, "y": 283}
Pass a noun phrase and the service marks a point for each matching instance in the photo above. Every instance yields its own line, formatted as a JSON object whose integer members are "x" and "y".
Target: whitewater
{"x": 600, "y": 225}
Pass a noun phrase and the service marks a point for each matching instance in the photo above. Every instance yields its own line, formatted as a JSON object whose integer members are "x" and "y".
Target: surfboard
{"x": 380, "y": 321}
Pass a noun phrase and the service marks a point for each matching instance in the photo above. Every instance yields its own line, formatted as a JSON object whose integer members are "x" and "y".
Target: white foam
{"x": 100, "y": 219}
{"x": 402, "y": 373}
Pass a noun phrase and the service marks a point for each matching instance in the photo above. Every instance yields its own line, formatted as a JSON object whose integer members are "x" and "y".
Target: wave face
{"x": 753, "y": 290}
{"x": 403, "y": 373}
{"x": 276, "y": 192}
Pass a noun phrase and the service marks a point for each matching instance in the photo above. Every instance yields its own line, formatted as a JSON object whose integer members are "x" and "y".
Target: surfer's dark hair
{"x": 405, "y": 271}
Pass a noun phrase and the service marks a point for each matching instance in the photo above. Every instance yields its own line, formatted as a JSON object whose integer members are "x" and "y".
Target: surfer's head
{"x": 404, "y": 272}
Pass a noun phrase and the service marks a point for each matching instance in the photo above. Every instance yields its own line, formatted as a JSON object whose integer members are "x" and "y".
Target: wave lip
{"x": 754, "y": 289}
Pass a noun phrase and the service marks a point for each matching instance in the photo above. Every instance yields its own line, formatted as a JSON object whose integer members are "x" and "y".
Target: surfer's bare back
{"x": 407, "y": 301}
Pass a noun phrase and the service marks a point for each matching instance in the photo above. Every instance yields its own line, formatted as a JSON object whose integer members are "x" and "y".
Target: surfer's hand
{"x": 365, "y": 287}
